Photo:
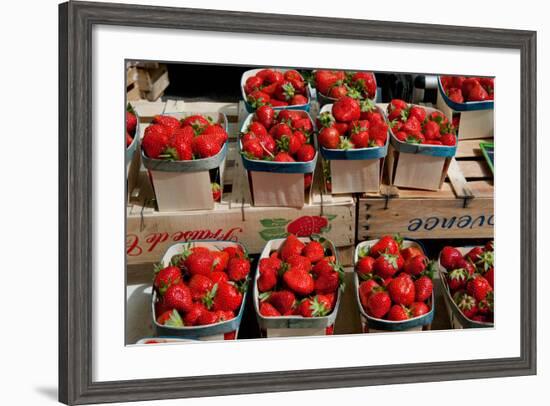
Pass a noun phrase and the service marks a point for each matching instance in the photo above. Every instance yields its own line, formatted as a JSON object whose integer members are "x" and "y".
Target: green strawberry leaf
{"x": 272, "y": 233}
{"x": 174, "y": 320}
{"x": 276, "y": 222}
{"x": 331, "y": 217}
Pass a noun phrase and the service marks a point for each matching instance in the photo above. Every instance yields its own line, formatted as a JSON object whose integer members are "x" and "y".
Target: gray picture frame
{"x": 76, "y": 20}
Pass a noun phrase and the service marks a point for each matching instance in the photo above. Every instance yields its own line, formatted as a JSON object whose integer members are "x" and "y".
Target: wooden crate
{"x": 146, "y": 81}
{"x": 149, "y": 232}
{"x": 463, "y": 208}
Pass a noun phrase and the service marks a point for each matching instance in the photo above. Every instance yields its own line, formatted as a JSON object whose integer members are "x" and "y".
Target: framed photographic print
{"x": 291, "y": 191}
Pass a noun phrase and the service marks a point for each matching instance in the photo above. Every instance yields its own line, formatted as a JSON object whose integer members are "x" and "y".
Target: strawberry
{"x": 193, "y": 315}
{"x": 477, "y": 93}
{"x": 455, "y": 95}
{"x": 318, "y": 306}
{"x": 283, "y": 300}
{"x": 299, "y": 281}
{"x": 170, "y": 318}
{"x": 438, "y": 117}
{"x": 410, "y": 252}
{"x": 411, "y": 126}
{"x": 457, "y": 279}
{"x": 490, "y": 276}
{"x": 205, "y": 145}
{"x": 385, "y": 265}
{"x": 314, "y": 251}
{"x": 328, "y": 281}
{"x": 268, "y": 143}
{"x": 329, "y": 137}
{"x": 467, "y": 85}
{"x": 379, "y": 132}
{"x": 308, "y": 180}
{"x": 199, "y": 285}
{"x": 360, "y": 139}
{"x": 365, "y": 289}
{"x": 423, "y": 287}
{"x": 283, "y": 157}
{"x": 227, "y": 298}
{"x": 266, "y": 116}
{"x": 131, "y": 122}
{"x": 324, "y": 80}
{"x": 431, "y": 130}
{"x": 291, "y": 246}
{"x": 197, "y": 122}
{"x": 346, "y": 109}
{"x": 267, "y": 310}
{"x": 397, "y": 104}
{"x": 305, "y": 153}
{"x": 278, "y": 103}
{"x": 378, "y": 303}
{"x": 238, "y": 269}
{"x": 155, "y": 140}
{"x": 200, "y": 262}
{"x": 478, "y": 287}
{"x": 402, "y": 290}
{"x": 129, "y": 139}
{"x": 253, "y": 149}
{"x": 167, "y": 277}
{"x": 307, "y": 225}
{"x": 219, "y": 276}
{"x": 338, "y": 91}
{"x": 301, "y": 262}
{"x": 324, "y": 264}
{"x": 267, "y": 279}
{"x": 474, "y": 255}
{"x": 365, "y": 266}
{"x": 466, "y": 265}
{"x": 235, "y": 251}
{"x": 449, "y": 257}
{"x": 289, "y": 143}
{"x": 417, "y": 112}
{"x": 298, "y": 99}
{"x": 224, "y": 315}
{"x": 168, "y": 121}
{"x": 366, "y": 82}
{"x": 480, "y": 318}
{"x": 216, "y": 192}
{"x": 398, "y": 313}
{"x": 257, "y": 98}
{"x": 386, "y": 244}
{"x": 418, "y": 309}
{"x": 466, "y": 303}
{"x": 257, "y": 129}
{"x": 279, "y": 130}
{"x": 217, "y": 132}
{"x": 253, "y": 83}
{"x": 416, "y": 265}
{"x": 207, "y": 317}
{"x": 221, "y": 259}
{"x": 178, "y": 297}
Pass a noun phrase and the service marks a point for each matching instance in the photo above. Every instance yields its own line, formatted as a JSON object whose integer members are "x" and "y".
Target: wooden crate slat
{"x": 458, "y": 181}
{"x": 475, "y": 169}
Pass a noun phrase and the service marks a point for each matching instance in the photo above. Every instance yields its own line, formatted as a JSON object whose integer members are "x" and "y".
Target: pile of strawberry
{"x": 470, "y": 279}
{"x": 194, "y": 137}
{"x": 275, "y": 88}
{"x": 396, "y": 283}
{"x": 300, "y": 279}
{"x": 352, "y": 124}
{"x": 413, "y": 125}
{"x": 462, "y": 89}
{"x": 201, "y": 286}
{"x": 337, "y": 84}
{"x": 279, "y": 136}
{"x": 131, "y": 124}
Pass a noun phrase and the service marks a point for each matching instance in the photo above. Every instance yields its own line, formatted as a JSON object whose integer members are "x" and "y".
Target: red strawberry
{"x": 417, "y": 112}
{"x": 200, "y": 262}
{"x": 328, "y": 281}
{"x": 415, "y": 265}
{"x": 197, "y": 122}
{"x": 170, "y": 318}
{"x": 477, "y": 93}
{"x": 238, "y": 269}
{"x": 280, "y": 130}
{"x": 283, "y": 157}
{"x": 410, "y": 252}
{"x": 457, "y": 279}
{"x": 258, "y": 98}
{"x": 221, "y": 259}
{"x": 318, "y": 306}
{"x": 289, "y": 143}
{"x": 466, "y": 303}
{"x": 266, "y": 116}
{"x": 329, "y": 137}
{"x": 338, "y": 91}
{"x": 449, "y": 257}
{"x": 360, "y": 139}
{"x": 178, "y": 297}
{"x": 283, "y": 300}
{"x": 365, "y": 289}
{"x": 397, "y": 104}
{"x": 398, "y": 313}
{"x": 366, "y": 82}
{"x": 291, "y": 246}
{"x": 167, "y": 277}
{"x": 298, "y": 99}
{"x": 379, "y": 132}
{"x": 299, "y": 281}
{"x": 324, "y": 264}
{"x": 385, "y": 265}
{"x": 419, "y": 309}
{"x": 199, "y": 285}
{"x": 478, "y": 287}
{"x": 129, "y": 140}
{"x": 305, "y": 153}
{"x": 378, "y": 303}
{"x": 207, "y": 317}
{"x": 302, "y": 124}
{"x": 224, "y": 315}
{"x": 235, "y": 251}
{"x": 301, "y": 262}
{"x": 431, "y": 130}
{"x": 227, "y": 298}
{"x": 466, "y": 265}
{"x": 423, "y": 287}
{"x": 402, "y": 290}
{"x": 257, "y": 129}
{"x": 365, "y": 266}
{"x": 131, "y": 122}
{"x": 324, "y": 80}
{"x": 168, "y": 121}
{"x": 490, "y": 276}
{"x": 448, "y": 139}
{"x": 386, "y": 244}
{"x": 278, "y": 103}
{"x": 253, "y": 83}
{"x": 314, "y": 251}
{"x": 267, "y": 279}
{"x": 474, "y": 254}
{"x": 205, "y": 146}
{"x": 192, "y": 316}
{"x": 216, "y": 192}
{"x": 267, "y": 310}
{"x": 455, "y": 95}
{"x": 217, "y": 132}
{"x": 307, "y": 225}
{"x": 218, "y": 276}
{"x": 155, "y": 140}
{"x": 253, "y": 149}
{"x": 346, "y": 109}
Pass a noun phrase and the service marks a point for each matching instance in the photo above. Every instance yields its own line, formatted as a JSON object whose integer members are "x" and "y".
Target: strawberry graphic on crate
{"x": 304, "y": 226}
